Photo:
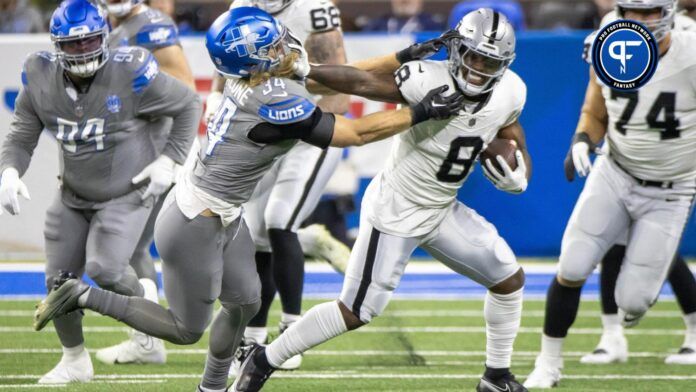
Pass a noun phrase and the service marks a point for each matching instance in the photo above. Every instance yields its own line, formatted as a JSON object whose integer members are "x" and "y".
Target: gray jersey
{"x": 150, "y": 29}
{"x": 105, "y": 133}
{"x": 230, "y": 164}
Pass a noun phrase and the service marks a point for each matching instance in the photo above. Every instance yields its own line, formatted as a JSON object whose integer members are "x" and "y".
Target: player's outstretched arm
{"x": 17, "y": 149}
{"x": 591, "y": 129}
{"x": 172, "y": 60}
{"x": 327, "y": 48}
{"x": 381, "y": 125}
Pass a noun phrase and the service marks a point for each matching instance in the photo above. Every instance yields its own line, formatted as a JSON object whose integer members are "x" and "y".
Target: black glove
{"x": 427, "y": 48}
{"x": 437, "y": 106}
{"x": 568, "y": 165}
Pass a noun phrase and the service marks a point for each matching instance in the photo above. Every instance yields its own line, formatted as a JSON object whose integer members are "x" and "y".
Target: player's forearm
{"x": 172, "y": 60}
{"x": 595, "y": 128}
{"x": 184, "y": 130}
{"x": 182, "y": 73}
{"x": 386, "y": 64}
{"x": 516, "y": 133}
{"x": 14, "y": 156}
{"x": 593, "y": 115}
{"x": 371, "y": 128}
{"x": 350, "y": 80}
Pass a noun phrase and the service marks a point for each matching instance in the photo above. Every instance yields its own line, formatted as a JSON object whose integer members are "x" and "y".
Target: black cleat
{"x": 62, "y": 299}
{"x": 254, "y": 372}
{"x": 506, "y": 383}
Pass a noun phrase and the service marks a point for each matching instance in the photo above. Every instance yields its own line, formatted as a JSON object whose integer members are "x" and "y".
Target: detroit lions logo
{"x": 243, "y": 41}
{"x": 113, "y": 103}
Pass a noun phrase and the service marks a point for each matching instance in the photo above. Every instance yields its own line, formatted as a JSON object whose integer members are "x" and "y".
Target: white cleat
{"x": 685, "y": 356}
{"x": 70, "y": 370}
{"x": 544, "y": 375}
{"x": 140, "y": 348}
{"x": 327, "y": 248}
{"x": 612, "y": 348}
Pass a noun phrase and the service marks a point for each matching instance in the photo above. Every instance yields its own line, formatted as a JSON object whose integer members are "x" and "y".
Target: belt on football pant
{"x": 642, "y": 182}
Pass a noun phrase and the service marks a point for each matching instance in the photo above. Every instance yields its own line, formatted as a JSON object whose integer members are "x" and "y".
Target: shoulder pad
{"x": 36, "y": 64}
{"x": 587, "y": 47}
{"x": 291, "y": 109}
{"x": 416, "y": 78}
{"x": 139, "y": 63}
{"x": 160, "y": 32}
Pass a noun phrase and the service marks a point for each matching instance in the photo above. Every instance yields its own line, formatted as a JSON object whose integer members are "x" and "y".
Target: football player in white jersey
{"x": 645, "y": 184}
{"x": 288, "y": 194}
{"x": 613, "y": 346}
{"x": 412, "y": 202}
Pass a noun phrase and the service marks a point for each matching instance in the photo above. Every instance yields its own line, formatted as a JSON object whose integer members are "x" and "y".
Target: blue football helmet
{"x": 121, "y": 8}
{"x": 79, "y": 32}
{"x": 246, "y": 40}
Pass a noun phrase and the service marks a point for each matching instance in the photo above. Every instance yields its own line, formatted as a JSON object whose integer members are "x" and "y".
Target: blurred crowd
{"x": 383, "y": 16}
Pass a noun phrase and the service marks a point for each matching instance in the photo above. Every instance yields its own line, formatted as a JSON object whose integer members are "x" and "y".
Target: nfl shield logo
{"x": 113, "y": 103}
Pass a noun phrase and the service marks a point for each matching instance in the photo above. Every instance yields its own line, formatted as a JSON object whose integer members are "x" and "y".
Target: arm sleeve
{"x": 164, "y": 96}
{"x": 316, "y": 130}
{"x": 25, "y": 130}
{"x": 157, "y": 36}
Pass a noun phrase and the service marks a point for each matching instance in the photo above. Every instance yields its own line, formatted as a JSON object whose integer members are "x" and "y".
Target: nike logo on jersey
{"x": 280, "y": 95}
{"x": 420, "y": 68}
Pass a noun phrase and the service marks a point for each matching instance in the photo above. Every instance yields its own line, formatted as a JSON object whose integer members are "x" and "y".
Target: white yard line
{"x": 141, "y": 378}
{"x": 362, "y": 353}
{"x": 421, "y": 329}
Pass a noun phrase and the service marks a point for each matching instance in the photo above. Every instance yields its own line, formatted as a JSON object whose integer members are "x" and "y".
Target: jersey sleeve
{"x": 161, "y": 95}
{"x": 25, "y": 130}
{"x": 316, "y": 130}
{"x": 159, "y": 34}
{"x": 283, "y": 101}
{"x": 518, "y": 90}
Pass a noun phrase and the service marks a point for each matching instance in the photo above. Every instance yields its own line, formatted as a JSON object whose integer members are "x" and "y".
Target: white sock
{"x": 82, "y": 299}
{"x": 256, "y": 334}
{"x": 286, "y": 319}
{"x": 690, "y": 337}
{"x": 73, "y": 353}
{"x": 150, "y": 289}
{"x": 611, "y": 324}
{"x": 503, "y": 313}
{"x": 318, "y": 325}
{"x": 552, "y": 350}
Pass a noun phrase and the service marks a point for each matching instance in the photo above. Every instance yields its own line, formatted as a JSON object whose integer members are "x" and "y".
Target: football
{"x": 503, "y": 147}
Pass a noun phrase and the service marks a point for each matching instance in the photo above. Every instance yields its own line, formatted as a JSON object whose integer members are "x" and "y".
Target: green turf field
{"x": 415, "y": 346}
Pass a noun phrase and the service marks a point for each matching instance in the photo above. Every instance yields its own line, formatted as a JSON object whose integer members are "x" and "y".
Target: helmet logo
{"x": 625, "y": 54}
{"x": 243, "y": 41}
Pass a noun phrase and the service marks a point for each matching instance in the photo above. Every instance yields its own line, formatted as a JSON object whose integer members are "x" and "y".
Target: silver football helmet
{"x": 271, "y": 6}
{"x": 659, "y": 27}
{"x": 484, "y": 52}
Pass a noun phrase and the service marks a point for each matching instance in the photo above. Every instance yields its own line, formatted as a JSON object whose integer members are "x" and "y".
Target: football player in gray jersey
{"x": 206, "y": 247}
{"x": 135, "y": 24}
{"x": 100, "y": 106}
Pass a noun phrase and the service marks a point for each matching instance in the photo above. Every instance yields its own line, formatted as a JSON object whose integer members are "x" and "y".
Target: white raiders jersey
{"x": 430, "y": 162}
{"x": 652, "y": 132}
{"x": 681, "y": 22}
{"x": 304, "y": 17}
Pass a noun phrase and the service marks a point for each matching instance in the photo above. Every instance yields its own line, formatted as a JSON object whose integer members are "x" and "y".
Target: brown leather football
{"x": 503, "y": 147}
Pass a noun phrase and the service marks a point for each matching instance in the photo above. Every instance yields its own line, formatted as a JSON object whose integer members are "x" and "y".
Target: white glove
{"x": 161, "y": 175}
{"x": 509, "y": 181}
{"x": 301, "y": 67}
{"x": 212, "y": 103}
{"x": 581, "y": 158}
{"x": 10, "y": 187}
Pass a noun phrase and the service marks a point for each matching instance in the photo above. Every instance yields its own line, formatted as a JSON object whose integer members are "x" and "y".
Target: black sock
{"x": 611, "y": 265}
{"x": 683, "y": 284}
{"x": 562, "y": 305}
{"x": 264, "y": 266}
{"x": 288, "y": 269}
{"x": 496, "y": 374}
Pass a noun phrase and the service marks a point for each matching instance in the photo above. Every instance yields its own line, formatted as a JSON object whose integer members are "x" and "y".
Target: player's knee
{"x": 105, "y": 277}
{"x": 511, "y": 284}
{"x": 186, "y": 337}
{"x": 576, "y": 262}
{"x": 633, "y": 300}
{"x": 351, "y": 319}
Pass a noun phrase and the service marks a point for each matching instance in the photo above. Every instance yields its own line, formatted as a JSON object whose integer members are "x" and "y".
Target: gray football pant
{"x": 97, "y": 241}
{"x": 141, "y": 261}
{"x": 201, "y": 261}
